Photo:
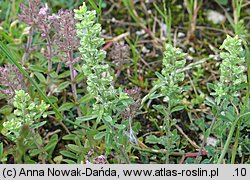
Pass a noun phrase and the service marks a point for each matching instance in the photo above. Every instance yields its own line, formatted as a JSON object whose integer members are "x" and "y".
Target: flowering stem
{"x": 73, "y": 84}
{"x": 71, "y": 67}
{"x": 28, "y": 45}
{"x": 30, "y": 37}
{"x": 49, "y": 52}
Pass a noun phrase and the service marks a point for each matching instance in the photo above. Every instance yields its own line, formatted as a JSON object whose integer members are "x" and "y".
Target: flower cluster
{"x": 120, "y": 54}
{"x": 10, "y": 79}
{"x": 58, "y": 29}
{"x": 65, "y": 32}
{"x": 26, "y": 112}
{"x": 98, "y": 160}
{"x": 59, "y": 32}
{"x": 231, "y": 69}
{"x": 135, "y": 94}
{"x": 37, "y": 16}
{"x": 30, "y": 12}
{"x": 44, "y": 21}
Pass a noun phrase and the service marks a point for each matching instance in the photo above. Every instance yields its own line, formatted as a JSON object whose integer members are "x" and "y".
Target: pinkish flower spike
{"x": 43, "y": 11}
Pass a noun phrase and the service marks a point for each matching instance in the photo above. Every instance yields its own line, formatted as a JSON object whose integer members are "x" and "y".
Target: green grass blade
{"x": 129, "y": 6}
{"x": 92, "y": 3}
{"x": 158, "y": 9}
{"x": 230, "y": 135}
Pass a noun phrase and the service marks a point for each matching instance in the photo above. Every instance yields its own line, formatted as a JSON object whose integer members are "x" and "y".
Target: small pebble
{"x": 181, "y": 35}
{"x": 140, "y": 32}
{"x": 145, "y": 50}
{"x": 191, "y": 49}
{"x": 215, "y": 17}
{"x": 179, "y": 6}
{"x": 210, "y": 140}
{"x": 113, "y": 20}
{"x": 190, "y": 58}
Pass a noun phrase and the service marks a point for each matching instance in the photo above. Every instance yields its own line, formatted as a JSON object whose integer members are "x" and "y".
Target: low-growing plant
{"x": 26, "y": 112}
{"x": 227, "y": 108}
{"x": 168, "y": 87}
{"x": 109, "y": 101}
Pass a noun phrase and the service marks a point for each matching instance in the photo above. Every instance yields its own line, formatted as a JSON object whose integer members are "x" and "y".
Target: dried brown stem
{"x": 186, "y": 136}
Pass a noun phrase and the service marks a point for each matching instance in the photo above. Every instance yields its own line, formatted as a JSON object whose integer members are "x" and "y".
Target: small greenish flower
{"x": 31, "y": 106}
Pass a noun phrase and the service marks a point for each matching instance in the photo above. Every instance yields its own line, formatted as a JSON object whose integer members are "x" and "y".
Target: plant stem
{"x": 116, "y": 138}
{"x": 159, "y": 151}
{"x": 168, "y": 126}
{"x": 73, "y": 84}
{"x": 192, "y": 8}
{"x": 205, "y": 137}
{"x": 72, "y": 74}
{"x": 169, "y": 143}
{"x": 230, "y": 137}
{"x": 124, "y": 155}
{"x": 30, "y": 37}
{"x": 28, "y": 45}
{"x": 44, "y": 154}
{"x": 49, "y": 53}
